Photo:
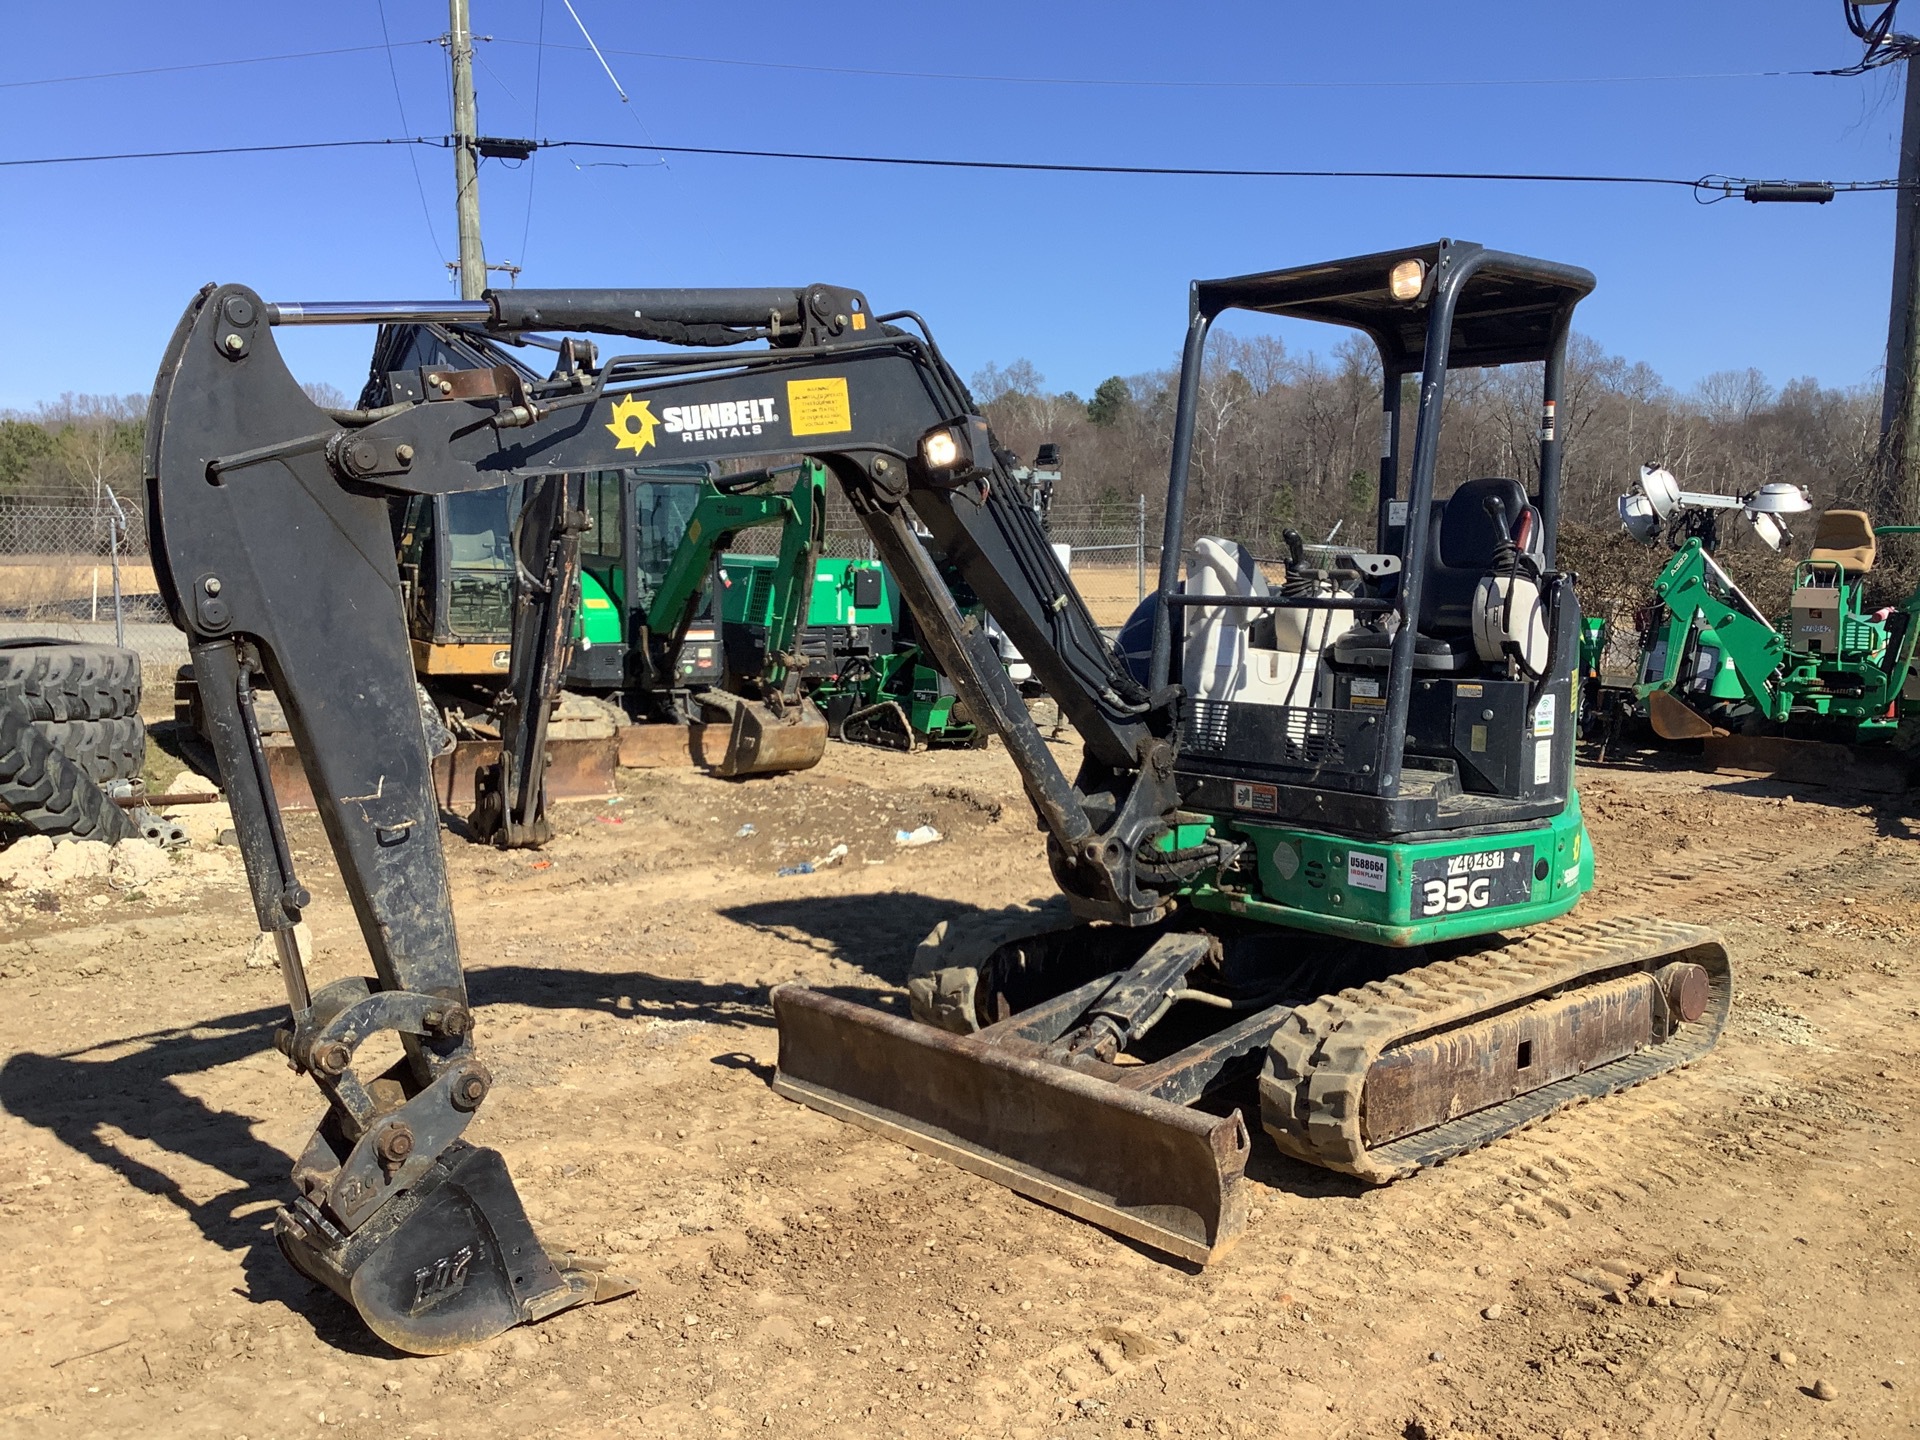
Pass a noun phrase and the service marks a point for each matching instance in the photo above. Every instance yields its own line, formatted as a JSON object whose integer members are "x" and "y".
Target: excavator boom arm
{"x": 273, "y": 550}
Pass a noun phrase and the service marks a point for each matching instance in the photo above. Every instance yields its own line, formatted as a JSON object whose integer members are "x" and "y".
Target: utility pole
{"x": 1899, "y": 414}
{"x": 466, "y": 154}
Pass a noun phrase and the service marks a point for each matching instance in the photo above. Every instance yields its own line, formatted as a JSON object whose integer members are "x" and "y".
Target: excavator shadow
{"x": 126, "y": 1103}
{"x": 877, "y": 933}
{"x": 112, "y": 1100}
{"x": 1894, "y": 815}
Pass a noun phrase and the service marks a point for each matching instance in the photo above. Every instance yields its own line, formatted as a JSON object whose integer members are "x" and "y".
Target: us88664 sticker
{"x": 1479, "y": 880}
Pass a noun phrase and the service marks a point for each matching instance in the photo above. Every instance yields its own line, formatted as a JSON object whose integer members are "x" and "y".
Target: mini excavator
{"x": 1296, "y": 851}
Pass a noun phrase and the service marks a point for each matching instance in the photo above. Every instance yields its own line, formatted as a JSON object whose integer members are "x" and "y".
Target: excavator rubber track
{"x": 1349, "y": 1070}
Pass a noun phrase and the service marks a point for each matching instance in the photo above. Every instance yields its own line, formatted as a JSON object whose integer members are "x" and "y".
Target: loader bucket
{"x": 1156, "y": 1172}
{"x": 759, "y": 742}
{"x": 1674, "y": 719}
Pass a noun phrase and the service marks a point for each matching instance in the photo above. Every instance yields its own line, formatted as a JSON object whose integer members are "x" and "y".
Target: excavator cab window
{"x": 479, "y": 536}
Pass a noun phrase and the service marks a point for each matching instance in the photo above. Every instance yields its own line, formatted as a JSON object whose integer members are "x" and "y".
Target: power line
{"x": 413, "y": 160}
{"x": 618, "y": 88}
{"x": 1710, "y": 184}
{"x": 224, "y": 150}
{"x": 203, "y": 65}
{"x": 1070, "y": 80}
{"x": 1095, "y": 81}
{"x": 533, "y": 161}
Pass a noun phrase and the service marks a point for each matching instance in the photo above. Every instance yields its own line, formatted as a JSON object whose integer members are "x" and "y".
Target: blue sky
{"x": 1085, "y": 276}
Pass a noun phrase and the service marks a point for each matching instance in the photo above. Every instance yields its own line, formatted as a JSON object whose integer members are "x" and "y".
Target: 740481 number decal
{"x": 1480, "y": 880}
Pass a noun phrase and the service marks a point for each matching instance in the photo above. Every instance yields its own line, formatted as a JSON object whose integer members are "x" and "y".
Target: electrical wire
{"x": 1707, "y": 184}
{"x": 203, "y": 65}
{"x": 533, "y": 161}
{"x": 1884, "y": 45}
{"x": 618, "y": 88}
{"x": 438, "y": 141}
{"x": 1710, "y": 183}
{"x": 1098, "y": 81}
{"x": 393, "y": 71}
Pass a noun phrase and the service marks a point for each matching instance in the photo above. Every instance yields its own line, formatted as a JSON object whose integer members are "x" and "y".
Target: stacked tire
{"x": 69, "y": 724}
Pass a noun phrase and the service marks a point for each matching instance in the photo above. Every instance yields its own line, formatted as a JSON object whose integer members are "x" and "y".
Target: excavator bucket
{"x": 1674, "y": 719}
{"x": 453, "y": 1262}
{"x": 1160, "y": 1173}
{"x": 759, "y": 742}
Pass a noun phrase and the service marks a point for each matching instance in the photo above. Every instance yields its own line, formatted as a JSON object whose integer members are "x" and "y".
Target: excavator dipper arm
{"x": 510, "y": 803}
{"x": 276, "y": 570}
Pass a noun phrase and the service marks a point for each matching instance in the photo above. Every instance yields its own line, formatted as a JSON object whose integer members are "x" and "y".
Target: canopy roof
{"x": 1506, "y": 312}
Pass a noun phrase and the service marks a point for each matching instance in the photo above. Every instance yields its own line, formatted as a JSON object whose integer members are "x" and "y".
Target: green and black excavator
{"x": 634, "y": 625}
{"x": 638, "y": 548}
{"x": 1320, "y": 842}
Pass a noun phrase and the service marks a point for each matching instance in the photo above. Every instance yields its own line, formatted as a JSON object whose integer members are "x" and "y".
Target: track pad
{"x": 453, "y": 1262}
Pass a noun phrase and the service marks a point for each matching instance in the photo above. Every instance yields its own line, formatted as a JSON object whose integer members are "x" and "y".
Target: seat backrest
{"x": 1462, "y": 551}
{"x": 1216, "y": 638}
{"x": 1845, "y": 538}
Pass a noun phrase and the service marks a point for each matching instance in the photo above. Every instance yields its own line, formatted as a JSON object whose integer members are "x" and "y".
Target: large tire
{"x": 64, "y": 682}
{"x": 105, "y": 749}
{"x": 44, "y": 788}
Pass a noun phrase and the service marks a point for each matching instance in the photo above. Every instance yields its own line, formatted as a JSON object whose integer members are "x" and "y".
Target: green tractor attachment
{"x": 1832, "y": 671}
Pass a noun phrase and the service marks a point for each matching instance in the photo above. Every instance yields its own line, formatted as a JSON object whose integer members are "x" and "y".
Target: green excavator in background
{"x": 636, "y": 617}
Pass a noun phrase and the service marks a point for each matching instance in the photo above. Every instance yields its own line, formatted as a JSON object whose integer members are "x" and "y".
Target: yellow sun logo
{"x": 632, "y": 424}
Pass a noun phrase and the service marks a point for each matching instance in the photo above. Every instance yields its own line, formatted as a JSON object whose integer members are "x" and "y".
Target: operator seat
{"x": 1216, "y": 639}
{"x": 1462, "y": 541}
{"x": 1845, "y": 538}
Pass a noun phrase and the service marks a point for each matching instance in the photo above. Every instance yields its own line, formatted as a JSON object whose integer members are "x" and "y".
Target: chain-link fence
{"x": 65, "y": 558}
{"x": 76, "y": 568}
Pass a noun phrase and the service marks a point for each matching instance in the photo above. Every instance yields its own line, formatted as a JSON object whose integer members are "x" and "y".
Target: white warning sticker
{"x": 1542, "y": 762}
{"x": 1543, "y": 714}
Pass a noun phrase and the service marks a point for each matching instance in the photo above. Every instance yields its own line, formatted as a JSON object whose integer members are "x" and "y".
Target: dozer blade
{"x": 452, "y": 1262}
{"x": 759, "y": 742}
{"x": 1674, "y": 719}
{"x": 1156, "y": 1172}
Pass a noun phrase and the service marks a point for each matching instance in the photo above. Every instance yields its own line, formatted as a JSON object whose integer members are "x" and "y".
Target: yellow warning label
{"x": 819, "y": 407}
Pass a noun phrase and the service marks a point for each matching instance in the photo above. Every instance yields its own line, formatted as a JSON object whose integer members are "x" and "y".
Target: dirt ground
{"x": 1111, "y": 591}
{"x": 801, "y": 1277}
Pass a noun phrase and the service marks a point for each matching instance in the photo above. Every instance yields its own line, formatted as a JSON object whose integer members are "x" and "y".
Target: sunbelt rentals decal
{"x": 635, "y": 427}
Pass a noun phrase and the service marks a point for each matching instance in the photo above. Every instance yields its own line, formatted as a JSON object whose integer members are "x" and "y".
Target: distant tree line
{"x": 71, "y": 449}
{"x": 1292, "y": 440}
{"x": 1288, "y": 440}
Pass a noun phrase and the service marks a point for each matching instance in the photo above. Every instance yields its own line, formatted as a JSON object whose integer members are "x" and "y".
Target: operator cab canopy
{"x": 1508, "y": 309}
